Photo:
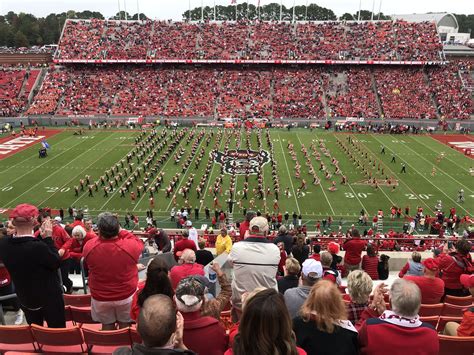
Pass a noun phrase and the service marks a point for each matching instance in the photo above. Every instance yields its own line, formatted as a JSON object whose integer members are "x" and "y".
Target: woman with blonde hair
{"x": 322, "y": 327}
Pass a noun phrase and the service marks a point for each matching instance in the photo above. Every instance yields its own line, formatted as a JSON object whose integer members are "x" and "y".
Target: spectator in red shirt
{"x": 157, "y": 283}
{"x": 187, "y": 267}
{"x": 245, "y": 225}
{"x": 397, "y": 331}
{"x": 202, "y": 334}
{"x": 453, "y": 264}
{"x": 113, "y": 276}
{"x": 370, "y": 262}
{"x": 353, "y": 247}
{"x": 316, "y": 251}
{"x": 359, "y": 285}
{"x": 183, "y": 244}
{"x": 431, "y": 287}
{"x": 79, "y": 239}
{"x": 466, "y": 328}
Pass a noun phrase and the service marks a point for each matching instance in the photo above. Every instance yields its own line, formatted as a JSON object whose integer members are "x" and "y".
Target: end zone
{"x": 10, "y": 145}
{"x": 462, "y": 143}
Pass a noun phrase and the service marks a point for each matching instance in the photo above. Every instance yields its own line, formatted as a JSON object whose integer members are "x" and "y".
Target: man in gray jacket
{"x": 311, "y": 272}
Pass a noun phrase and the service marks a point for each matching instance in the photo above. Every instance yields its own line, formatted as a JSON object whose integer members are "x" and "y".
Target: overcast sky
{"x": 173, "y": 9}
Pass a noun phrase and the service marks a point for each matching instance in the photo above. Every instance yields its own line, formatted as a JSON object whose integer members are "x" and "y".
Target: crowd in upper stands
{"x": 385, "y": 40}
{"x": 296, "y": 310}
{"x": 247, "y": 93}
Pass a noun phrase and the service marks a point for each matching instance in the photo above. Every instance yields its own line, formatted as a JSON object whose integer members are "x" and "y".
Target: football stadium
{"x": 245, "y": 178}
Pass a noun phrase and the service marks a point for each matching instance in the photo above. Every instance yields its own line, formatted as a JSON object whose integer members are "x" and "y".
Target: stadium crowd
{"x": 385, "y": 40}
{"x": 284, "y": 297}
{"x": 221, "y": 92}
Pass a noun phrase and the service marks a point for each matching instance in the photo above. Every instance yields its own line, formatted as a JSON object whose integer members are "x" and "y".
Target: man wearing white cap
{"x": 193, "y": 234}
{"x": 311, "y": 272}
{"x": 255, "y": 260}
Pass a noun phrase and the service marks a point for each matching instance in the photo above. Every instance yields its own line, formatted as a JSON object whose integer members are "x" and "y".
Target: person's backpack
{"x": 382, "y": 267}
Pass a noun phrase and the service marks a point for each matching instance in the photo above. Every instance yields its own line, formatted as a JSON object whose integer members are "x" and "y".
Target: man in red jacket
{"x": 187, "y": 267}
{"x": 354, "y": 248}
{"x": 453, "y": 264}
{"x": 203, "y": 335}
{"x": 113, "y": 276}
{"x": 431, "y": 287}
{"x": 183, "y": 244}
{"x": 398, "y": 331}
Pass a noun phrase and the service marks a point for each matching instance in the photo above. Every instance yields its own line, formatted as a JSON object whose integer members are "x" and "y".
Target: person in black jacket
{"x": 291, "y": 278}
{"x": 161, "y": 239}
{"x": 284, "y": 237}
{"x": 203, "y": 256}
{"x": 33, "y": 264}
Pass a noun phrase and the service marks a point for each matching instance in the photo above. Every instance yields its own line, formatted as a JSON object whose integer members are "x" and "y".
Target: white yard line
{"x": 223, "y": 139}
{"x": 289, "y": 176}
{"x": 34, "y": 156}
{"x": 348, "y": 184}
{"x": 412, "y": 167}
{"x": 439, "y": 169}
{"x": 39, "y": 166}
{"x": 189, "y": 166}
{"x": 54, "y": 173}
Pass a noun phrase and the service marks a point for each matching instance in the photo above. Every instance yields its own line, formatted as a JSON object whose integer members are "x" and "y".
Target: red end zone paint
{"x": 10, "y": 145}
{"x": 457, "y": 141}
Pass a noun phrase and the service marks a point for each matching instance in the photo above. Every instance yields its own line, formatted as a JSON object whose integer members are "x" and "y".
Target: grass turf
{"x": 50, "y": 182}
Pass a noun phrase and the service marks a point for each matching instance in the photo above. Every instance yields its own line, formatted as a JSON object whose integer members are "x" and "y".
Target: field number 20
{"x": 57, "y": 189}
{"x": 421, "y": 196}
{"x": 359, "y": 194}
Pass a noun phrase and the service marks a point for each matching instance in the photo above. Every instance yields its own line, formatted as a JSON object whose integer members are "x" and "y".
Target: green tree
{"x": 142, "y": 17}
{"x": 466, "y": 24}
{"x": 21, "y": 40}
{"x": 7, "y": 37}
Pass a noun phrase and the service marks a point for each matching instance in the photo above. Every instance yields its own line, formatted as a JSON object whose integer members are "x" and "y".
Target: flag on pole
{"x": 45, "y": 144}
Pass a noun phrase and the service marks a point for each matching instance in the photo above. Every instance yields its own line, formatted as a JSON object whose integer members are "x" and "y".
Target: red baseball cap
{"x": 431, "y": 264}
{"x": 24, "y": 211}
{"x": 467, "y": 280}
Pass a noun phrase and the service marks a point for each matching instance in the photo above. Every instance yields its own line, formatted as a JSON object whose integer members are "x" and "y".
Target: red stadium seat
{"x": 105, "y": 342}
{"x": 134, "y": 336}
{"x": 81, "y": 315}
{"x": 452, "y": 310}
{"x": 77, "y": 300}
{"x": 455, "y": 345}
{"x": 445, "y": 319}
{"x": 59, "y": 340}
{"x": 427, "y": 310}
{"x": 17, "y": 338}
{"x": 459, "y": 301}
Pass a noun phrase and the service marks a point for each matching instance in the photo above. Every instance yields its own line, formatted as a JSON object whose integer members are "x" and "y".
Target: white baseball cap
{"x": 189, "y": 223}
{"x": 312, "y": 269}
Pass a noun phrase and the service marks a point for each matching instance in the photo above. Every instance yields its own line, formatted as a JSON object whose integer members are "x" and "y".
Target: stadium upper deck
{"x": 230, "y": 42}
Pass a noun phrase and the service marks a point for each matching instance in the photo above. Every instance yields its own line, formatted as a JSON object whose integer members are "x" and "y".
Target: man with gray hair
{"x": 112, "y": 261}
{"x": 187, "y": 266}
{"x": 399, "y": 330}
{"x": 285, "y": 238}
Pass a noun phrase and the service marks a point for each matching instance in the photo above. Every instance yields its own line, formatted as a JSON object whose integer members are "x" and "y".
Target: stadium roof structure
{"x": 442, "y": 19}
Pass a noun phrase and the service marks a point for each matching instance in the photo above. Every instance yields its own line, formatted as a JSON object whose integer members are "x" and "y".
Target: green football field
{"x": 50, "y": 182}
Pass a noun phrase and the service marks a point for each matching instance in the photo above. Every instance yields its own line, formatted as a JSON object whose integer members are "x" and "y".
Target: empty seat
{"x": 459, "y": 301}
{"x": 433, "y": 320}
{"x": 105, "y": 342}
{"x": 17, "y": 338}
{"x": 81, "y": 315}
{"x": 59, "y": 340}
{"x": 452, "y": 310}
{"x": 445, "y": 319}
{"x": 135, "y": 337}
{"x": 427, "y": 310}
{"x": 77, "y": 300}
{"x": 455, "y": 345}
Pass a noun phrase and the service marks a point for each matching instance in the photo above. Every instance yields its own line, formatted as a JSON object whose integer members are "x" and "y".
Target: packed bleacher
{"x": 222, "y": 92}
{"x": 133, "y": 40}
{"x": 11, "y": 81}
{"x": 290, "y": 295}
